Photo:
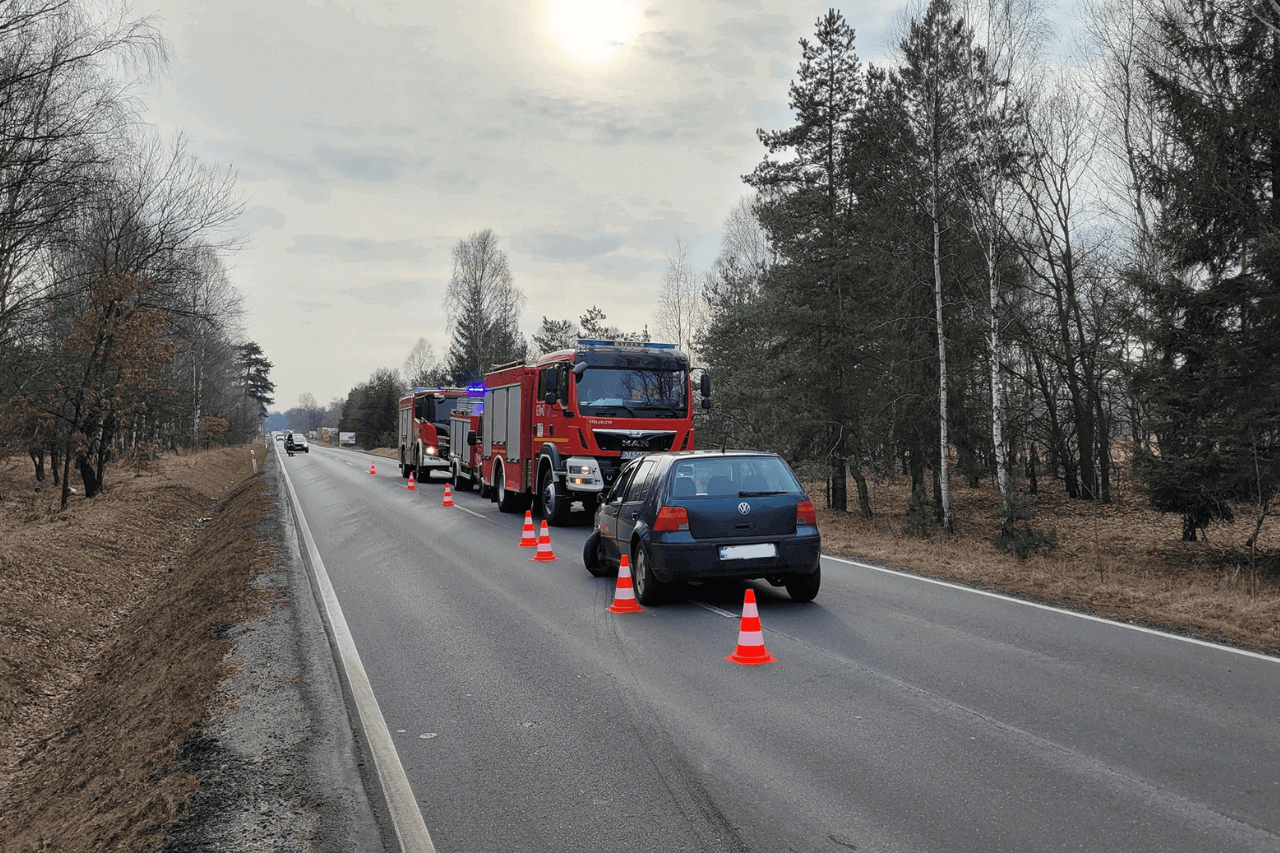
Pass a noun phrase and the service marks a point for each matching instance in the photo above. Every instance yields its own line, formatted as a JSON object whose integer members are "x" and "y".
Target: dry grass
{"x": 110, "y": 652}
{"x": 1120, "y": 560}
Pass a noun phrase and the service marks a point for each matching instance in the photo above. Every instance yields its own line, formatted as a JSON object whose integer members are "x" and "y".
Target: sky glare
{"x": 368, "y": 138}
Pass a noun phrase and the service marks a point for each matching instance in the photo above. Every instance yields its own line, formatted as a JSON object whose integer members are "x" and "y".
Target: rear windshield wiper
{"x": 758, "y": 494}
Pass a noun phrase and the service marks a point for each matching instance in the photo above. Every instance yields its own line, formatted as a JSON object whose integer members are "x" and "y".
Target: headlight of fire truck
{"x": 582, "y": 474}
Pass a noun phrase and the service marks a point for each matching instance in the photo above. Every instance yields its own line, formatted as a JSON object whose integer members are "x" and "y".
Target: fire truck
{"x": 424, "y": 429}
{"x": 555, "y": 432}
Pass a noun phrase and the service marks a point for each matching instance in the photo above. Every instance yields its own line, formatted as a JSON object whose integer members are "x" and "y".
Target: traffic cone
{"x": 624, "y": 596}
{"x": 528, "y": 539}
{"x": 411, "y": 487}
{"x": 372, "y": 470}
{"x": 750, "y": 637}
{"x": 544, "y": 554}
{"x": 448, "y": 496}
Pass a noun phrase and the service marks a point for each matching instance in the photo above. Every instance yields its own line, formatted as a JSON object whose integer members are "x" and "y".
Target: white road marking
{"x": 1052, "y": 609}
{"x": 406, "y": 818}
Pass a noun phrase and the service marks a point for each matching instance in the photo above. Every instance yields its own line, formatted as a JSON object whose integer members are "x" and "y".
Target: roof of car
{"x": 685, "y": 454}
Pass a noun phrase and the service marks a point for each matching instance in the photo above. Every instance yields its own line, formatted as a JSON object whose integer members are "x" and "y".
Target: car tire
{"x": 553, "y": 503}
{"x": 648, "y": 589}
{"x": 591, "y": 555}
{"x": 804, "y": 588}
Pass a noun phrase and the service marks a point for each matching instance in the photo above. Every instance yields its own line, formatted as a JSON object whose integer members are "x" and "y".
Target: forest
{"x": 970, "y": 265}
{"x": 120, "y": 333}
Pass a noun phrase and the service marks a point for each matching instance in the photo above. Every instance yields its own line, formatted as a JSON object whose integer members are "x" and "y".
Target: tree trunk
{"x": 944, "y": 492}
{"x": 838, "y": 498}
{"x": 864, "y": 495}
{"x": 997, "y": 399}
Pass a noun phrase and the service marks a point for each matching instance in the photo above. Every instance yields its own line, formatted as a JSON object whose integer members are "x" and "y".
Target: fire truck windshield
{"x": 638, "y": 393}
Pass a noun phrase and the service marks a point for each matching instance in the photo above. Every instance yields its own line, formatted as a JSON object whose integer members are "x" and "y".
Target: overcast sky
{"x": 370, "y": 137}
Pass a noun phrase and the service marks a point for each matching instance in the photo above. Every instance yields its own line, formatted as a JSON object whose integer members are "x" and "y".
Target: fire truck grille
{"x": 645, "y": 442}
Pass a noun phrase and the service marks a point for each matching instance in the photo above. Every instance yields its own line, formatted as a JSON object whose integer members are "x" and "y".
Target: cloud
{"x": 375, "y": 164}
{"x": 258, "y": 217}
{"x": 360, "y": 129}
{"x": 390, "y": 294}
{"x": 357, "y": 249}
{"x": 568, "y": 247}
{"x": 769, "y": 32}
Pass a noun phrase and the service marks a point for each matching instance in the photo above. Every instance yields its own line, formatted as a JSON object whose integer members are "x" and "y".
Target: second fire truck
{"x": 555, "y": 432}
{"x": 423, "y": 428}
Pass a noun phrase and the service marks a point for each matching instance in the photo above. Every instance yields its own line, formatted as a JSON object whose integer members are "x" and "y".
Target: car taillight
{"x": 671, "y": 518}
{"x": 806, "y": 514}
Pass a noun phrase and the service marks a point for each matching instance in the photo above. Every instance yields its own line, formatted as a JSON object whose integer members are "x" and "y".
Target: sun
{"x": 594, "y": 31}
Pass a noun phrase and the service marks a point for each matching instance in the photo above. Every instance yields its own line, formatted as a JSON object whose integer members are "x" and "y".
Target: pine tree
{"x": 813, "y": 297}
{"x": 1215, "y": 390}
{"x": 484, "y": 309}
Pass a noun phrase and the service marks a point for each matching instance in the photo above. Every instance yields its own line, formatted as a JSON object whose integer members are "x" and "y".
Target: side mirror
{"x": 550, "y": 398}
{"x": 706, "y": 402}
{"x": 706, "y": 385}
{"x": 472, "y": 441}
{"x": 579, "y": 369}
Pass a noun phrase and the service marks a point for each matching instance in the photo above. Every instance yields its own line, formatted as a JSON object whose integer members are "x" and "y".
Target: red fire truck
{"x": 557, "y": 431}
{"x": 424, "y": 429}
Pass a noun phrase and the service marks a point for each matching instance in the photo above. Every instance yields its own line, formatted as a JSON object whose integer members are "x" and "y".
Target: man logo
{"x": 744, "y": 508}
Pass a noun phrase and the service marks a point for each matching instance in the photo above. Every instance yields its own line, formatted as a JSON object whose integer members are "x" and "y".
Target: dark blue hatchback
{"x": 704, "y": 514}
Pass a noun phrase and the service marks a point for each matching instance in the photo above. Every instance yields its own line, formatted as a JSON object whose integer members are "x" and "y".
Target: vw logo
{"x": 744, "y": 508}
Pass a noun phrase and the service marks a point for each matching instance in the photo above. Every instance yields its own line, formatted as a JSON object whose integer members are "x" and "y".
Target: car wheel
{"x": 804, "y": 587}
{"x": 591, "y": 555}
{"x": 554, "y": 504}
{"x": 648, "y": 589}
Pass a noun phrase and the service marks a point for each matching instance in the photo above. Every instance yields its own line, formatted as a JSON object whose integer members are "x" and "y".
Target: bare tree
{"x": 421, "y": 368}
{"x": 1002, "y": 59}
{"x": 681, "y": 315}
{"x": 1064, "y": 257}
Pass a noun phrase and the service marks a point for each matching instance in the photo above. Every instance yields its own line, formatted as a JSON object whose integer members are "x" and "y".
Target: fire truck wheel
{"x": 591, "y": 555}
{"x": 404, "y": 469}
{"x": 459, "y": 482}
{"x": 508, "y": 501}
{"x": 554, "y": 503}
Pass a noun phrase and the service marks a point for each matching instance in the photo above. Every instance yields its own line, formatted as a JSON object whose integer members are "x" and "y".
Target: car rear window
{"x": 730, "y": 476}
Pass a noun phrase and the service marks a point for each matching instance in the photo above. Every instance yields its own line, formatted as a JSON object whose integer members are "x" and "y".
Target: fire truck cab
{"x": 558, "y": 431}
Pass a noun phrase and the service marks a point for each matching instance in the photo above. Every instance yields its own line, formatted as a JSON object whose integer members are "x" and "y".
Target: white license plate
{"x": 632, "y": 454}
{"x": 748, "y": 552}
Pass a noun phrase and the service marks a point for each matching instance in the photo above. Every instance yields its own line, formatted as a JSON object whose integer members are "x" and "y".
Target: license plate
{"x": 748, "y": 552}
{"x": 632, "y": 454}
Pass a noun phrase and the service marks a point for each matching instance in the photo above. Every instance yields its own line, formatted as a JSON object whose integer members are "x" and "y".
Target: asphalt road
{"x": 902, "y": 715}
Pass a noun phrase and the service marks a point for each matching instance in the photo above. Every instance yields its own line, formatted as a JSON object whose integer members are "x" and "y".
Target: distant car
{"x": 279, "y": 436}
{"x": 701, "y": 515}
{"x": 298, "y": 441}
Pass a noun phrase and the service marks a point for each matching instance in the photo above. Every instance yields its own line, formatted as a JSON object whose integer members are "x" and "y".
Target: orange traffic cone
{"x": 448, "y": 496}
{"x": 528, "y": 539}
{"x": 372, "y": 470}
{"x": 750, "y": 637}
{"x": 544, "y": 554}
{"x": 624, "y": 596}
{"x": 411, "y": 487}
